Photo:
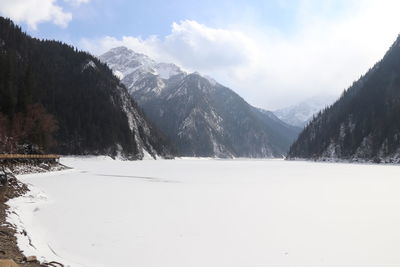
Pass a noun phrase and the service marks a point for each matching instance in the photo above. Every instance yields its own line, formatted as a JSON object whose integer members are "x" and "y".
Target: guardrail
{"x": 29, "y": 156}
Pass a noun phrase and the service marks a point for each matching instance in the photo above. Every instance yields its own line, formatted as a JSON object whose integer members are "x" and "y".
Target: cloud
{"x": 270, "y": 69}
{"x": 214, "y": 48}
{"x": 33, "y": 12}
{"x": 77, "y": 3}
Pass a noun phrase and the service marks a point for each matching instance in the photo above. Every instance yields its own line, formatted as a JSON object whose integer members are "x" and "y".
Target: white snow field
{"x": 212, "y": 213}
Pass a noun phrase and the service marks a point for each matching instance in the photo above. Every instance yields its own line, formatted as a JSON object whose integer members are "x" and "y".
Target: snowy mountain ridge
{"x": 200, "y": 116}
{"x": 300, "y": 114}
{"x": 130, "y": 66}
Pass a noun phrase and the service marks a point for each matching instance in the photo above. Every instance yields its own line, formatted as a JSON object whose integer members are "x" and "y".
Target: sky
{"x": 274, "y": 53}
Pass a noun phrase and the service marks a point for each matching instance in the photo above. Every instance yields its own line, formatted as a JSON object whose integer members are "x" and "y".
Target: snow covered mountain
{"x": 301, "y": 113}
{"x": 200, "y": 116}
{"x": 130, "y": 67}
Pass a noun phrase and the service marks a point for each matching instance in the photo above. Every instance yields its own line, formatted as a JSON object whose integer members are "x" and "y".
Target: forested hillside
{"x": 54, "y": 98}
{"x": 364, "y": 124}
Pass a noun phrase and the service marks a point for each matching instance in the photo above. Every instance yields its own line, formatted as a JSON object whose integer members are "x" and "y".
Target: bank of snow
{"x": 213, "y": 213}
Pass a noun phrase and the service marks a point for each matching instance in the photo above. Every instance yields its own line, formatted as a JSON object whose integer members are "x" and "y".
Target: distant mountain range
{"x": 300, "y": 114}
{"x": 45, "y": 85}
{"x": 364, "y": 124}
{"x": 200, "y": 116}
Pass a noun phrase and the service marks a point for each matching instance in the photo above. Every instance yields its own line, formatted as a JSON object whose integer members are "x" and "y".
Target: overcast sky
{"x": 273, "y": 53}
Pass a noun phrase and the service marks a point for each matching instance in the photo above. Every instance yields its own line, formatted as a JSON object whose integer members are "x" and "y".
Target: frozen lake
{"x": 213, "y": 213}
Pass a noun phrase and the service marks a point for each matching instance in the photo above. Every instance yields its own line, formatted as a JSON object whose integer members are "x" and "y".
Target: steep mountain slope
{"x": 200, "y": 116}
{"x": 300, "y": 114}
{"x": 364, "y": 124}
{"x": 94, "y": 111}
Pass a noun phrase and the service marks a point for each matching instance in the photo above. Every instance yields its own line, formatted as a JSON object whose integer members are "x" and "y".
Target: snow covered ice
{"x": 194, "y": 212}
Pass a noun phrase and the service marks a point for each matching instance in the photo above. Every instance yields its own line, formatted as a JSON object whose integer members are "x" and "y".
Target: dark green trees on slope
{"x": 79, "y": 95}
{"x": 364, "y": 124}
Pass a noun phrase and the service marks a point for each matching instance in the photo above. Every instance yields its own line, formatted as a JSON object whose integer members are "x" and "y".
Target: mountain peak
{"x": 125, "y": 50}
{"x": 124, "y": 55}
{"x": 119, "y": 49}
{"x": 130, "y": 67}
{"x": 301, "y": 113}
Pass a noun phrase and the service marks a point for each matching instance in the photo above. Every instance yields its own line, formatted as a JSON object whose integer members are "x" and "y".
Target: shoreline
{"x": 382, "y": 162}
{"x": 9, "y": 249}
{"x": 8, "y": 234}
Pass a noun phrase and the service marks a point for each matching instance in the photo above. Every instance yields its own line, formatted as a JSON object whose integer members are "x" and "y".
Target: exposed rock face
{"x": 200, "y": 116}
